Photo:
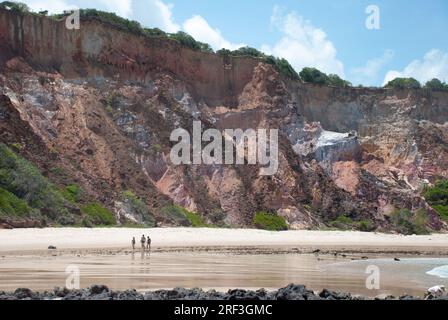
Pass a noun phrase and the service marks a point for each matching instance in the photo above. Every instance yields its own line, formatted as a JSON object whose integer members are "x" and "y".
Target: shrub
{"x": 21, "y": 178}
{"x": 224, "y": 52}
{"x": 403, "y": 83}
{"x": 72, "y": 193}
{"x": 247, "y": 51}
{"x": 11, "y": 206}
{"x": 176, "y": 214}
{"x": 186, "y": 40}
{"x": 15, "y": 6}
{"x": 155, "y": 32}
{"x": 182, "y": 216}
{"x": 139, "y": 208}
{"x": 195, "y": 219}
{"x": 342, "y": 222}
{"x": 437, "y": 197}
{"x": 98, "y": 215}
{"x": 408, "y": 222}
{"x": 268, "y": 221}
{"x": 335, "y": 80}
{"x": 365, "y": 225}
{"x": 442, "y": 211}
{"x": 436, "y": 84}
{"x": 283, "y": 67}
{"x": 312, "y": 75}
{"x": 112, "y": 18}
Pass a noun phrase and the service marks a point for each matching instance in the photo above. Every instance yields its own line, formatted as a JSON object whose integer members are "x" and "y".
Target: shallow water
{"x": 221, "y": 272}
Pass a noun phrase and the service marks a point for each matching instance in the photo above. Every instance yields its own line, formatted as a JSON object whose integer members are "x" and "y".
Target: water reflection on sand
{"x": 219, "y": 271}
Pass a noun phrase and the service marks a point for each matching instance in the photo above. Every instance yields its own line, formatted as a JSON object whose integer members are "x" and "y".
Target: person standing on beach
{"x": 133, "y": 244}
{"x": 143, "y": 241}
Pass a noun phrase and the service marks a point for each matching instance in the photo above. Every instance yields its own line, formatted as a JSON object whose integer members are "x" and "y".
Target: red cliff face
{"x": 100, "y": 103}
{"x": 98, "y": 50}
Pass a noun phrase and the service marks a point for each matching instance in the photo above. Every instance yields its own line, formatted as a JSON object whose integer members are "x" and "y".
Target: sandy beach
{"x": 221, "y": 259}
{"x": 165, "y": 239}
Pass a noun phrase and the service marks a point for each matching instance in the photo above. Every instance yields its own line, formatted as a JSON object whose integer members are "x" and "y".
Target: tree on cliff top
{"x": 403, "y": 83}
{"x": 312, "y": 75}
{"x": 436, "y": 84}
{"x": 15, "y": 6}
{"x": 186, "y": 40}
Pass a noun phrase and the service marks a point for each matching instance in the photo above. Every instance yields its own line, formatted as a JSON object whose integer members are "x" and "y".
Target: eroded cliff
{"x": 100, "y": 103}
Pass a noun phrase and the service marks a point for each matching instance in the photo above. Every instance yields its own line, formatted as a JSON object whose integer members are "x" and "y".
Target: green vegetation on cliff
{"x": 404, "y": 83}
{"x": 313, "y": 75}
{"x": 11, "y": 206}
{"x": 408, "y": 222}
{"x": 181, "y": 216}
{"x": 72, "y": 193}
{"x": 281, "y": 65}
{"x": 98, "y": 215}
{"x": 437, "y": 197}
{"x": 346, "y": 223}
{"x": 15, "y": 6}
{"x": 20, "y": 178}
{"x": 26, "y": 193}
{"x": 268, "y": 221}
{"x": 139, "y": 208}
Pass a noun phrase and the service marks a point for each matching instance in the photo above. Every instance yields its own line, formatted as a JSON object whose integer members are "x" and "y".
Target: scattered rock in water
{"x": 396, "y": 259}
{"x": 52, "y": 248}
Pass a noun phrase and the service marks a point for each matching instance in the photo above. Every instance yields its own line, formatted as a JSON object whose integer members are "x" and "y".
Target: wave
{"x": 441, "y": 272}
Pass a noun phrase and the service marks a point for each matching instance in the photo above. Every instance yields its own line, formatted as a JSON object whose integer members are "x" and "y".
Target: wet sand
{"x": 221, "y": 259}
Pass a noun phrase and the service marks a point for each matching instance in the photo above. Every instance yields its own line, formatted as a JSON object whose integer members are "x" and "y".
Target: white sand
{"x": 118, "y": 238}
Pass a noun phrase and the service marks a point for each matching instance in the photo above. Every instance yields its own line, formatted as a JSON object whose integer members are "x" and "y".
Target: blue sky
{"x": 327, "y": 34}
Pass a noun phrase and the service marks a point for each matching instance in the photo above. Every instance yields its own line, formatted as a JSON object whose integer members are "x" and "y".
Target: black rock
{"x": 52, "y": 248}
{"x": 293, "y": 292}
{"x": 23, "y": 293}
{"x": 333, "y": 295}
{"x": 7, "y": 297}
{"x": 58, "y": 292}
{"x": 97, "y": 289}
{"x": 241, "y": 295}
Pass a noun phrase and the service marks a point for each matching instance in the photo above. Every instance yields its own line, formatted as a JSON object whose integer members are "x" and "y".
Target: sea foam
{"x": 441, "y": 272}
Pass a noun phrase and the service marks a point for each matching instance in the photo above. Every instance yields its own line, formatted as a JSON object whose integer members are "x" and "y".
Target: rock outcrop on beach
{"x": 291, "y": 293}
{"x": 95, "y": 108}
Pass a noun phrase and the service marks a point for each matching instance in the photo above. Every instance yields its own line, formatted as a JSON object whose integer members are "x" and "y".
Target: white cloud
{"x": 199, "y": 29}
{"x": 54, "y": 6}
{"x": 160, "y": 15}
{"x": 433, "y": 65}
{"x": 120, "y": 7}
{"x": 368, "y": 74}
{"x": 302, "y": 44}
